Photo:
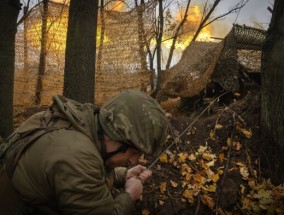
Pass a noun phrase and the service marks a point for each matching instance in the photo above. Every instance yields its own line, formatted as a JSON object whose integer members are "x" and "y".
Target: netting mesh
{"x": 202, "y": 62}
{"x": 191, "y": 74}
{"x": 242, "y": 45}
{"x": 121, "y": 58}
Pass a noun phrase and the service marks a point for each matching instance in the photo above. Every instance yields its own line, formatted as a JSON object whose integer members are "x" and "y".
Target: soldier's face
{"x": 128, "y": 158}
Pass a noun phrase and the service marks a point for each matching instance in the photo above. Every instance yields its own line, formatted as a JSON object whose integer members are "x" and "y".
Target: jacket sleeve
{"x": 78, "y": 178}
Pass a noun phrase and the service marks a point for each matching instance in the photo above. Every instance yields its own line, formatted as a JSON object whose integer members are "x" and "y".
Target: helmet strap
{"x": 122, "y": 149}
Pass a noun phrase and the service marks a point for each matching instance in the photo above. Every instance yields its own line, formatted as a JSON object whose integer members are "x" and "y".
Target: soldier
{"x": 65, "y": 160}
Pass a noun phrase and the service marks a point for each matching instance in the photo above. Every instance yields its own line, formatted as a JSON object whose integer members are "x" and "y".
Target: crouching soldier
{"x": 66, "y": 159}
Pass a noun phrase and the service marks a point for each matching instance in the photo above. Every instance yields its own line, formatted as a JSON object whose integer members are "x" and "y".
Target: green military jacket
{"x": 63, "y": 172}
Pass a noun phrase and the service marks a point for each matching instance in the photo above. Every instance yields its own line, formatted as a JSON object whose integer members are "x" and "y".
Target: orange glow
{"x": 57, "y": 31}
{"x": 117, "y": 5}
{"x": 66, "y": 2}
{"x": 190, "y": 26}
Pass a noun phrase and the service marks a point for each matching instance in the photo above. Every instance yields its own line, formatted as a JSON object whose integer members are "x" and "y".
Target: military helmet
{"x": 134, "y": 118}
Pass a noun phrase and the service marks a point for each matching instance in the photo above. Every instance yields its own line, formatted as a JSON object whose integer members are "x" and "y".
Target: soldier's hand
{"x": 134, "y": 187}
{"x": 140, "y": 172}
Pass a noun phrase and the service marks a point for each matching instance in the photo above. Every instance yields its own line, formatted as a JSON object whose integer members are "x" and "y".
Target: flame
{"x": 56, "y": 40}
{"x": 191, "y": 24}
{"x": 117, "y": 5}
{"x": 66, "y": 2}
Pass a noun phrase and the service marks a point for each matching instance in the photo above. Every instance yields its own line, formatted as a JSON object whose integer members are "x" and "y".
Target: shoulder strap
{"x": 22, "y": 146}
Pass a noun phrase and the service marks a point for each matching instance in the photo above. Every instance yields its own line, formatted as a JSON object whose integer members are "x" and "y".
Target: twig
{"x": 190, "y": 125}
{"x": 227, "y": 164}
{"x": 197, "y": 206}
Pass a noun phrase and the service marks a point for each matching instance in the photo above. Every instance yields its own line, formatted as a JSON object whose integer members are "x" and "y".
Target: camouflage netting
{"x": 218, "y": 62}
{"x": 121, "y": 57}
{"x": 28, "y": 41}
{"x": 191, "y": 74}
{"x": 242, "y": 45}
{"x": 121, "y": 60}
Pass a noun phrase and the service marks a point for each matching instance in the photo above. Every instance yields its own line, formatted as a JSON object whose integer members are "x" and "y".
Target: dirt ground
{"x": 211, "y": 162}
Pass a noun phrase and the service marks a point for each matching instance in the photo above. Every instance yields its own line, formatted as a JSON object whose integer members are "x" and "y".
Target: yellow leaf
{"x": 243, "y": 189}
{"x": 192, "y": 157}
{"x": 240, "y": 164}
{"x": 163, "y": 187}
{"x": 189, "y": 196}
{"x": 218, "y": 126}
{"x": 247, "y": 133}
{"x": 212, "y": 134}
{"x": 208, "y": 156}
{"x": 211, "y": 163}
{"x": 164, "y": 158}
{"x": 215, "y": 177}
{"x": 229, "y": 141}
{"x": 145, "y": 212}
{"x": 221, "y": 157}
{"x": 244, "y": 172}
{"x": 211, "y": 188}
{"x": 238, "y": 146}
{"x": 237, "y": 94}
{"x": 174, "y": 184}
{"x": 202, "y": 149}
{"x": 207, "y": 200}
{"x": 182, "y": 157}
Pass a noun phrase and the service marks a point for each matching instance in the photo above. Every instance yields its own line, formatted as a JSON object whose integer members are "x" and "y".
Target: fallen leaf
{"x": 202, "y": 149}
{"x": 189, "y": 196}
{"x": 215, "y": 177}
{"x": 221, "y": 157}
{"x": 211, "y": 188}
{"x": 240, "y": 164}
{"x": 145, "y": 212}
{"x": 164, "y": 158}
{"x": 192, "y": 157}
{"x": 173, "y": 183}
{"x": 161, "y": 202}
{"x": 182, "y": 157}
{"x": 218, "y": 126}
{"x": 163, "y": 187}
{"x": 207, "y": 200}
{"x": 238, "y": 146}
{"x": 244, "y": 172}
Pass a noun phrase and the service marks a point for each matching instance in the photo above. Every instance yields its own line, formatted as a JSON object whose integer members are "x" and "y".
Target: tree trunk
{"x": 159, "y": 48}
{"x": 79, "y": 74}
{"x": 272, "y": 114}
{"x": 25, "y": 40}
{"x": 102, "y": 35}
{"x": 43, "y": 52}
{"x": 9, "y": 10}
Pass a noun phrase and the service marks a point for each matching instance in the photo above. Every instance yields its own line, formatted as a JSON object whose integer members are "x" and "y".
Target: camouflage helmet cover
{"x": 135, "y": 118}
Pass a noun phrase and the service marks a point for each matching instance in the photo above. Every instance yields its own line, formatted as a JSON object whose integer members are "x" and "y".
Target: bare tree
{"x": 43, "y": 53}
{"x": 9, "y": 10}
{"x": 176, "y": 34}
{"x": 207, "y": 20}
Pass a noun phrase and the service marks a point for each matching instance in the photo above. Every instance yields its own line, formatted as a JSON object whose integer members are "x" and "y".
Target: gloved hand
{"x": 140, "y": 172}
{"x": 134, "y": 187}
